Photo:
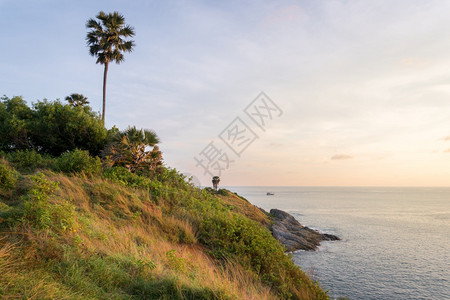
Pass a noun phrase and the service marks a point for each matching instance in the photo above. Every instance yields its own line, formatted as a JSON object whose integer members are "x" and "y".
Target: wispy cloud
{"x": 341, "y": 157}
{"x": 273, "y": 144}
{"x": 447, "y": 138}
{"x": 414, "y": 62}
{"x": 447, "y": 151}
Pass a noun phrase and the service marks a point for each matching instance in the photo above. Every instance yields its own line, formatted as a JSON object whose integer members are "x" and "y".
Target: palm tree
{"x": 137, "y": 137}
{"x": 106, "y": 41}
{"x": 77, "y": 100}
{"x": 129, "y": 149}
{"x": 215, "y": 182}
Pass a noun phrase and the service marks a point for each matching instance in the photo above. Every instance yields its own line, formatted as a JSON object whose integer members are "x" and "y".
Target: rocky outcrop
{"x": 295, "y": 236}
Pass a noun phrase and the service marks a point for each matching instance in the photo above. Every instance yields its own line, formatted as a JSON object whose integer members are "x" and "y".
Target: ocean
{"x": 395, "y": 241}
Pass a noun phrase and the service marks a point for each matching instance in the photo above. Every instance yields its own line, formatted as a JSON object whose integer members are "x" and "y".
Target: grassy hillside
{"x": 116, "y": 235}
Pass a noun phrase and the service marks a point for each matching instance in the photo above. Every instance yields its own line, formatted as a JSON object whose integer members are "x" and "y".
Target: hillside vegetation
{"x": 76, "y": 226}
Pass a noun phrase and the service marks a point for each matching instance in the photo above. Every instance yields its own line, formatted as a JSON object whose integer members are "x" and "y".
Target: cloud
{"x": 414, "y": 62}
{"x": 273, "y": 144}
{"x": 447, "y": 138}
{"x": 447, "y": 151}
{"x": 341, "y": 157}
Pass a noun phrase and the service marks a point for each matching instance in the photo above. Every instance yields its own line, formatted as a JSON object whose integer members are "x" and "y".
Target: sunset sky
{"x": 363, "y": 87}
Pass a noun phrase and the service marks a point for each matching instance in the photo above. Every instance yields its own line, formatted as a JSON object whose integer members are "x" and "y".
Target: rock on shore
{"x": 295, "y": 236}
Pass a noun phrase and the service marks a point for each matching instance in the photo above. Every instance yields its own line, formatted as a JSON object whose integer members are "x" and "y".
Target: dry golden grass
{"x": 5, "y": 255}
{"x": 150, "y": 237}
{"x": 112, "y": 221}
{"x": 20, "y": 280}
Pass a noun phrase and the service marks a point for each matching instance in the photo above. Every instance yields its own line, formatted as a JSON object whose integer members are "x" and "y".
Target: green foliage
{"x": 171, "y": 177}
{"x": 78, "y": 161}
{"x": 77, "y": 100}
{"x": 124, "y": 177}
{"x": 229, "y": 235}
{"x": 27, "y": 161}
{"x": 58, "y": 128}
{"x": 175, "y": 262}
{"x": 209, "y": 190}
{"x": 49, "y": 127}
{"x": 8, "y": 177}
{"x": 223, "y": 192}
{"x": 15, "y": 116}
{"x": 128, "y": 149}
{"x": 41, "y": 213}
{"x": 234, "y": 237}
{"x": 106, "y": 37}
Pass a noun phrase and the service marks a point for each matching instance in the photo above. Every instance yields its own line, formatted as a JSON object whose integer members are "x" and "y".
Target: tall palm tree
{"x": 106, "y": 41}
{"x": 77, "y": 100}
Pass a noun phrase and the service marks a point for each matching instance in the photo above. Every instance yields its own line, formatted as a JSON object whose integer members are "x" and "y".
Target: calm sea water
{"x": 395, "y": 241}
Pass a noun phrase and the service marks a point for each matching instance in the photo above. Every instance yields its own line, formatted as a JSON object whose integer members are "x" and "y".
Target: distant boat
{"x": 270, "y": 194}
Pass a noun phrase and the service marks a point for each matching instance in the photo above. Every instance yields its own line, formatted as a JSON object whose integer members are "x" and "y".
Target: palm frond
{"x": 106, "y": 37}
{"x": 150, "y": 137}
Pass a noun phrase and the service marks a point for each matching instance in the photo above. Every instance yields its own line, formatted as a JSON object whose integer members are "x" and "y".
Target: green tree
{"x": 57, "y": 128}
{"x": 14, "y": 117}
{"x": 215, "y": 182}
{"x": 106, "y": 42}
{"x": 77, "y": 100}
{"x": 49, "y": 127}
{"x": 128, "y": 149}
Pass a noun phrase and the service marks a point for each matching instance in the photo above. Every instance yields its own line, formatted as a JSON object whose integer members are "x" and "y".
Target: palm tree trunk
{"x": 105, "y": 74}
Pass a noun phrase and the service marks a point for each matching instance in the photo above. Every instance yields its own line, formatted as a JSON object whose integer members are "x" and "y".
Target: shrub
{"x": 171, "y": 177}
{"x": 124, "y": 177}
{"x": 41, "y": 213}
{"x": 28, "y": 161}
{"x": 8, "y": 177}
{"x": 78, "y": 161}
{"x": 175, "y": 262}
{"x": 57, "y": 128}
{"x": 223, "y": 192}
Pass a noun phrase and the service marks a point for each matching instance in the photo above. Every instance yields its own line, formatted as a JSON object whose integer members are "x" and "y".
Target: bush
{"x": 49, "y": 127}
{"x": 78, "y": 161}
{"x": 171, "y": 177}
{"x": 223, "y": 192}
{"x": 124, "y": 177}
{"x": 57, "y": 128}
{"x": 41, "y": 213}
{"x": 232, "y": 237}
{"x": 28, "y": 161}
{"x": 8, "y": 177}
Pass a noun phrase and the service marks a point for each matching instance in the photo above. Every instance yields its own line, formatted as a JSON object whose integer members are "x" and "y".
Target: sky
{"x": 355, "y": 93}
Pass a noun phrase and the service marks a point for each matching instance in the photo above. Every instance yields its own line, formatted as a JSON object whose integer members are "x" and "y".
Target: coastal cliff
{"x": 293, "y": 235}
{"x": 284, "y": 227}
